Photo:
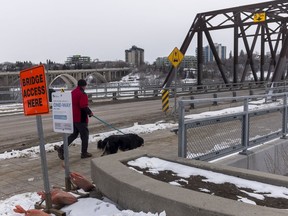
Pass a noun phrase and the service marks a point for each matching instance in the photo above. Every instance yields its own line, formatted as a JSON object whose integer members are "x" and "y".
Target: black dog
{"x": 113, "y": 143}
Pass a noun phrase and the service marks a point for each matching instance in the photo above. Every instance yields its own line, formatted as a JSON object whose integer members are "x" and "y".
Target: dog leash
{"x": 106, "y": 123}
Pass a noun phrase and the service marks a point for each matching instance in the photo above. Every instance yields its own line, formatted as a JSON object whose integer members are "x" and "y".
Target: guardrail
{"x": 121, "y": 90}
{"x": 211, "y": 137}
{"x": 137, "y": 90}
{"x": 10, "y": 94}
{"x": 118, "y": 91}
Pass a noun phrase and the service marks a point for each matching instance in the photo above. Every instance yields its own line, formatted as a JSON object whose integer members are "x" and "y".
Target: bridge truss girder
{"x": 269, "y": 32}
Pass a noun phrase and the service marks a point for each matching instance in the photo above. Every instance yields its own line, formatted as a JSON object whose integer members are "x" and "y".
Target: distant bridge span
{"x": 69, "y": 76}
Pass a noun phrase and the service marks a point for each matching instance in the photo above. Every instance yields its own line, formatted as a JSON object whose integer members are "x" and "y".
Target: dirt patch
{"x": 226, "y": 190}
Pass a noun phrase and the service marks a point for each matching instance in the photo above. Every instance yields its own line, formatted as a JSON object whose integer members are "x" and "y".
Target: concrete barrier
{"x": 132, "y": 190}
{"x": 269, "y": 158}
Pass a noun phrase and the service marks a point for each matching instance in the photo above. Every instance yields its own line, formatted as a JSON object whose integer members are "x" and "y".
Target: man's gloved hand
{"x": 91, "y": 114}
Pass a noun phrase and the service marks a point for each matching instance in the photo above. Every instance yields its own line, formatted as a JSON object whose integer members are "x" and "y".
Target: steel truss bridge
{"x": 262, "y": 23}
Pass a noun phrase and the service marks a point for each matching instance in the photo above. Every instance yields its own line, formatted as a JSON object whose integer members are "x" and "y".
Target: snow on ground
{"x": 138, "y": 129}
{"x": 49, "y": 147}
{"x": 84, "y": 206}
{"x": 253, "y": 105}
{"x": 92, "y": 206}
{"x": 260, "y": 190}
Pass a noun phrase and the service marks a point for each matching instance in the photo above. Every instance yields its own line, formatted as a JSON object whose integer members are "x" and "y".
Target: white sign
{"x": 62, "y": 112}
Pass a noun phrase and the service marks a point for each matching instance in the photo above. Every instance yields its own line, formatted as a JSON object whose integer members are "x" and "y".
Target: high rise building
{"x": 208, "y": 54}
{"x": 134, "y": 56}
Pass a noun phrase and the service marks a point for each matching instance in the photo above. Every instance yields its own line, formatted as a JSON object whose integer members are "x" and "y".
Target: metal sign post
{"x": 175, "y": 92}
{"x": 66, "y": 162}
{"x": 35, "y": 102}
{"x": 44, "y": 162}
{"x": 175, "y": 58}
{"x": 63, "y": 123}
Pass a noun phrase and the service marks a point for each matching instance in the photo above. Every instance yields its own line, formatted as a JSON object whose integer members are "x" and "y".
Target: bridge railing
{"x": 138, "y": 90}
{"x": 10, "y": 94}
{"x": 122, "y": 90}
{"x": 258, "y": 119}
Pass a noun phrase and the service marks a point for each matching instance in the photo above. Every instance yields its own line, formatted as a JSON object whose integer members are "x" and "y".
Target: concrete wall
{"x": 270, "y": 157}
{"x": 137, "y": 192}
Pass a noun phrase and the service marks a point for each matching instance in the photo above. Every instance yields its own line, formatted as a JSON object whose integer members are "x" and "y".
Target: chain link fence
{"x": 258, "y": 119}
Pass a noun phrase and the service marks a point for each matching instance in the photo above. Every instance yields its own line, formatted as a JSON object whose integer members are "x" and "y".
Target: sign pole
{"x": 35, "y": 102}
{"x": 175, "y": 92}
{"x": 175, "y": 58}
{"x": 66, "y": 161}
{"x": 44, "y": 163}
{"x": 63, "y": 123}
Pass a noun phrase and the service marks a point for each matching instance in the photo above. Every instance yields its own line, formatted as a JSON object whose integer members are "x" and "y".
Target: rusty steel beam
{"x": 281, "y": 64}
{"x": 242, "y": 19}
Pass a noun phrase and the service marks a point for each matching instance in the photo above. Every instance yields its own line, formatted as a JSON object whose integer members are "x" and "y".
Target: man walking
{"x": 81, "y": 111}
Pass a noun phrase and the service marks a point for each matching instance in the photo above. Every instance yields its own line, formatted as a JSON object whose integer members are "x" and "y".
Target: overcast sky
{"x": 36, "y": 30}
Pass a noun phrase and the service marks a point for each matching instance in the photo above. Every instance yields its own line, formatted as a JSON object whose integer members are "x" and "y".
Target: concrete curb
{"x": 137, "y": 192}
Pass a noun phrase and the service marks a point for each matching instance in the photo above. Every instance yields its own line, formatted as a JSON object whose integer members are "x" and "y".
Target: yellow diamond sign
{"x": 175, "y": 57}
{"x": 259, "y": 17}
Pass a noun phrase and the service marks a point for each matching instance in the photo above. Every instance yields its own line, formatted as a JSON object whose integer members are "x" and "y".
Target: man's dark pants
{"x": 81, "y": 128}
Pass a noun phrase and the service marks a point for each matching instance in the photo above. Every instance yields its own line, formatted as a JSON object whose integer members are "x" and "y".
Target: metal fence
{"x": 10, "y": 94}
{"x": 259, "y": 119}
{"x": 142, "y": 89}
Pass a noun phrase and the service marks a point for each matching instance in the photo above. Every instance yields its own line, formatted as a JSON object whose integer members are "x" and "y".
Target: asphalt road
{"x": 19, "y": 131}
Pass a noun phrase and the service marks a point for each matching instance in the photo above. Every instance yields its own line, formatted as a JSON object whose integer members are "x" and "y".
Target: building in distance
{"x": 187, "y": 62}
{"x": 78, "y": 59}
{"x": 134, "y": 56}
{"x": 208, "y": 55}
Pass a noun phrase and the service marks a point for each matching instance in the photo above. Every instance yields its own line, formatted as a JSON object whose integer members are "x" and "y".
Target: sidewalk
{"x": 22, "y": 175}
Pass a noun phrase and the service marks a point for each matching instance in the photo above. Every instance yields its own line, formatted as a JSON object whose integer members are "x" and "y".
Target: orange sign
{"x": 34, "y": 91}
